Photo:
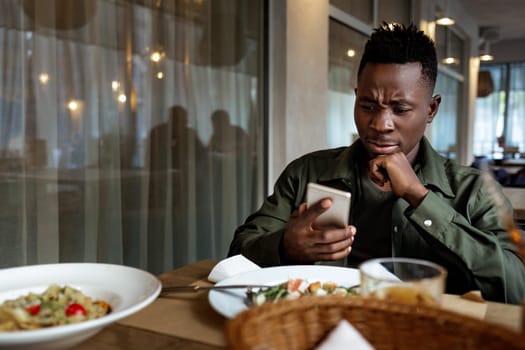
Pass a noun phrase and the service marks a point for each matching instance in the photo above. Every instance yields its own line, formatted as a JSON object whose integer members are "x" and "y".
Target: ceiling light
{"x": 72, "y": 105}
{"x": 484, "y": 54}
{"x": 157, "y": 56}
{"x": 450, "y": 60}
{"x": 449, "y": 55}
{"x": 442, "y": 16}
{"x": 486, "y": 57}
{"x": 445, "y": 21}
{"x": 44, "y": 78}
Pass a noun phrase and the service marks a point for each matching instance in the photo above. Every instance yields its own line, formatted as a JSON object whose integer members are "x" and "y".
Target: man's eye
{"x": 368, "y": 108}
{"x": 401, "y": 110}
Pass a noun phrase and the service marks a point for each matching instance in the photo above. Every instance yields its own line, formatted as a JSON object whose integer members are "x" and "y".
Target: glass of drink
{"x": 404, "y": 280}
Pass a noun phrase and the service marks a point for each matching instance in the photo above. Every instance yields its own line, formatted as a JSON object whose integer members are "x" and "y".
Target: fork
{"x": 195, "y": 288}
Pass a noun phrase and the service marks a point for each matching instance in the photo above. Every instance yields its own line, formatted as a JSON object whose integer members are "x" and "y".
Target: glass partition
{"x": 130, "y": 131}
{"x": 345, "y": 50}
{"x": 394, "y": 11}
{"x": 500, "y": 126}
{"x": 450, "y": 49}
{"x": 452, "y": 65}
{"x": 363, "y": 10}
{"x": 444, "y": 127}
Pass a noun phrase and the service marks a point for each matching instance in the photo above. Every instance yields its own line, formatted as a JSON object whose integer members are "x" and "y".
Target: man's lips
{"x": 382, "y": 147}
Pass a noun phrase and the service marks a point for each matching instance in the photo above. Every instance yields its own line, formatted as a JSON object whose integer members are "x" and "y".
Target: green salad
{"x": 296, "y": 288}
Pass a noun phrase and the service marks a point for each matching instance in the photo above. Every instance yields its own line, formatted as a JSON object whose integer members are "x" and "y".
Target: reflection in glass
{"x": 110, "y": 159}
{"x": 360, "y": 9}
{"x": 397, "y": 11}
{"x": 499, "y": 116}
{"x": 342, "y": 80}
{"x": 345, "y": 50}
{"x": 444, "y": 126}
{"x": 450, "y": 49}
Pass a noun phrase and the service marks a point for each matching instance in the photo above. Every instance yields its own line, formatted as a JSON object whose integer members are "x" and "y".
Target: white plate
{"x": 232, "y": 301}
{"x": 126, "y": 289}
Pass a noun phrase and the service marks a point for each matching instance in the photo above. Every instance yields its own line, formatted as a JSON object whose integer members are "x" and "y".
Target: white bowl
{"x": 125, "y": 288}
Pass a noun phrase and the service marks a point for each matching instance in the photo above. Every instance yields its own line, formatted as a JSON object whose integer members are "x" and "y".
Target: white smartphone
{"x": 337, "y": 214}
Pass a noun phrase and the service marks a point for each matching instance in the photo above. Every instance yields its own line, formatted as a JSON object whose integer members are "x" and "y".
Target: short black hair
{"x": 396, "y": 43}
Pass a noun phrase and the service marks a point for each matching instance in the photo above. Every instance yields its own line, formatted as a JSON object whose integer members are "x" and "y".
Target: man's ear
{"x": 433, "y": 108}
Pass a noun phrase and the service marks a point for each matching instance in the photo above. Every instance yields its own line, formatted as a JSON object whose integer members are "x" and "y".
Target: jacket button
{"x": 395, "y": 228}
{"x": 427, "y": 223}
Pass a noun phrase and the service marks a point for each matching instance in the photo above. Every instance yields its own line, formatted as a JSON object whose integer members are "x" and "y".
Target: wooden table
{"x": 186, "y": 321}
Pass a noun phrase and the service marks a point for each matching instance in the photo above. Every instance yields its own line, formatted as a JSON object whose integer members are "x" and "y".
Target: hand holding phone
{"x": 337, "y": 214}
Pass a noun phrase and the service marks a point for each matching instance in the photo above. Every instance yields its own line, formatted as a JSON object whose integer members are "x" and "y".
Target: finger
{"x": 334, "y": 247}
{"x": 317, "y": 209}
{"x": 377, "y": 172}
{"x": 341, "y": 254}
{"x": 335, "y": 235}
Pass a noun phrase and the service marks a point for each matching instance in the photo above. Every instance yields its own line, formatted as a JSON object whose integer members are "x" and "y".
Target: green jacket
{"x": 455, "y": 225}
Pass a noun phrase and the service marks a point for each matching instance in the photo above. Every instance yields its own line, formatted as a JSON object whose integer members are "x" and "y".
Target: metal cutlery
{"x": 195, "y": 288}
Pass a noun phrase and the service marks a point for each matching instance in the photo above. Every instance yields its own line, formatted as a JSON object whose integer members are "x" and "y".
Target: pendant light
{"x": 484, "y": 54}
{"x": 449, "y": 57}
{"x": 443, "y": 16}
{"x": 487, "y": 36}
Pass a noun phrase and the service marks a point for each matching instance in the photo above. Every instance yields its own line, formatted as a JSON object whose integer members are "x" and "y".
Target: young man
{"x": 407, "y": 200}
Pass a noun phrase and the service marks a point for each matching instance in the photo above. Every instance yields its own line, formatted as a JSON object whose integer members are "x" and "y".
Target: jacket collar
{"x": 430, "y": 167}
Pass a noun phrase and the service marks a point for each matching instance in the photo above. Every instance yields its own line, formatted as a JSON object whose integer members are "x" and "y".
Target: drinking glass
{"x": 404, "y": 280}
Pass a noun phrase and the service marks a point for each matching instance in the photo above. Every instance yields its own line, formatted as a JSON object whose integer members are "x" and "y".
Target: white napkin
{"x": 345, "y": 336}
{"x": 379, "y": 271}
{"x": 231, "y": 266}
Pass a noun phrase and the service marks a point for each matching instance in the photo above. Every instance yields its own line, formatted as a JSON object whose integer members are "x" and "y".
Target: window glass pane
{"x": 444, "y": 126}
{"x": 450, "y": 48}
{"x": 394, "y": 11}
{"x": 131, "y": 130}
{"x": 345, "y": 49}
{"x": 360, "y": 9}
{"x": 440, "y": 42}
{"x": 457, "y": 49}
{"x": 490, "y": 114}
{"x": 516, "y": 109}
{"x": 387, "y": 10}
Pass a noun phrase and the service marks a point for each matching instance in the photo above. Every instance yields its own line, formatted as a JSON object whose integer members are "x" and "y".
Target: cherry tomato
{"x": 75, "y": 310}
{"x": 33, "y": 309}
{"x": 294, "y": 285}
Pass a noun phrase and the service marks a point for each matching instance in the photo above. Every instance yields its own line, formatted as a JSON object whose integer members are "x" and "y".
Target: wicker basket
{"x": 303, "y": 323}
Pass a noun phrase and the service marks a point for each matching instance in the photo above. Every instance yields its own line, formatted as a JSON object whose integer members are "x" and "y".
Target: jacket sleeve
{"x": 259, "y": 238}
{"x": 473, "y": 240}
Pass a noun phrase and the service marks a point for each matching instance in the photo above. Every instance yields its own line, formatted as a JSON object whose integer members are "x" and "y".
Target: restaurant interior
{"x": 141, "y": 133}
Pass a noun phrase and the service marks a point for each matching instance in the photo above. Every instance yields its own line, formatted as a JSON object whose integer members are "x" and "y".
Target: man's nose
{"x": 382, "y": 121}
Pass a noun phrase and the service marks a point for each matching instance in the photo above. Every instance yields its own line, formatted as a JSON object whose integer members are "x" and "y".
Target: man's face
{"x": 393, "y": 106}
